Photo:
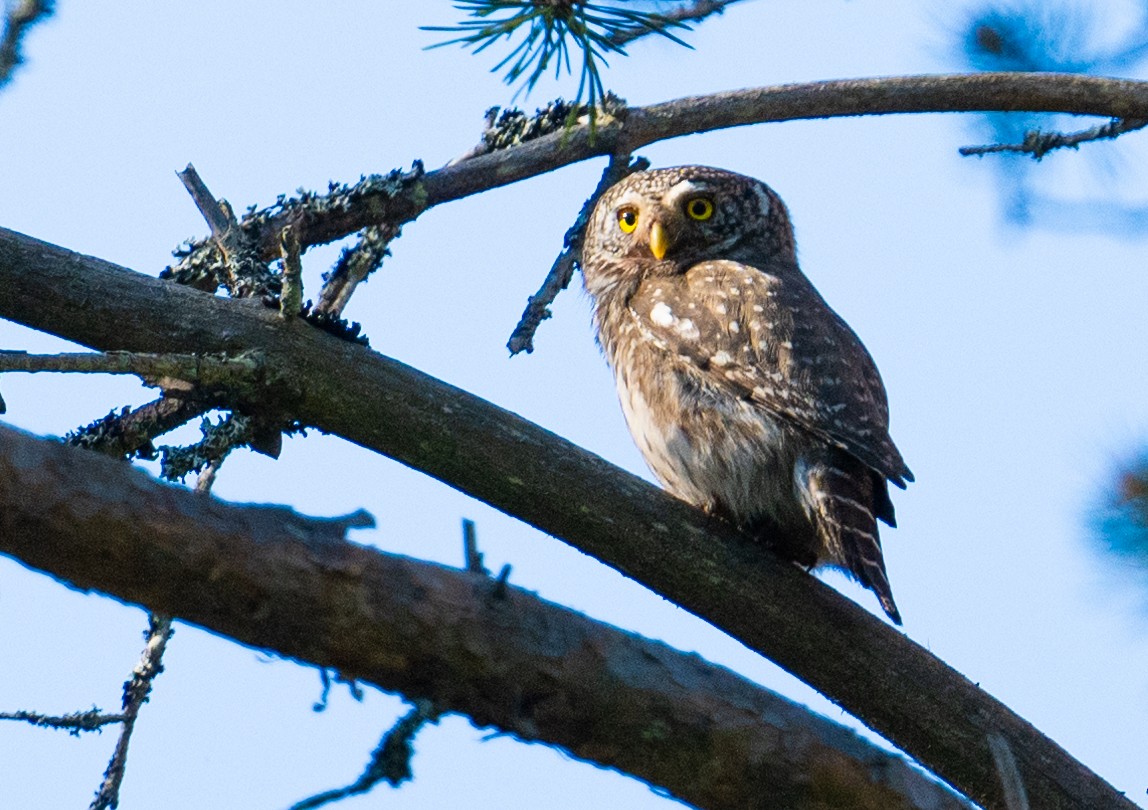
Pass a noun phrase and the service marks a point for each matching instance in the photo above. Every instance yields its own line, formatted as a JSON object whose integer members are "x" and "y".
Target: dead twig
{"x": 1038, "y": 143}
{"x": 291, "y": 296}
{"x": 471, "y": 554}
{"x": 136, "y": 692}
{"x": 237, "y": 265}
{"x": 91, "y": 720}
{"x": 538, "y": 305}
{"x": 390, "y": 762}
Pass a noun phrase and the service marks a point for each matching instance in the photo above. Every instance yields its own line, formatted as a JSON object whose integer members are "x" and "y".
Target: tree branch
{"x": 271, "y": 578}
{"x": 1038, "y": 143}
{"x": 91, "y": 720}
{"x": 396, "y": 199}
{"x": 890, "y": 683}
{"x": 390, "y": 762}
{"x": 209, "y": 372}
{"x": 136, "y": 692}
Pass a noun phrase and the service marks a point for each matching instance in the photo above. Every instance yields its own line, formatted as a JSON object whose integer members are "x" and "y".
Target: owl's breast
{"x": 706, "y": 446}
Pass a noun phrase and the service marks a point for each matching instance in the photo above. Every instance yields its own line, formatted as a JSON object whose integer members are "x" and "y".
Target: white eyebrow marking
{"x": 682, "y": 188}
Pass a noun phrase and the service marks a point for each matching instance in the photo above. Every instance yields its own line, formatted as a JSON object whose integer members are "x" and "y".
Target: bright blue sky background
{"x": 1014, "y": 361}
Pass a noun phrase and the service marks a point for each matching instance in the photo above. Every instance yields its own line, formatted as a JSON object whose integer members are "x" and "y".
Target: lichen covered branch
{"x": 399, "y": 197}
{"x": 90, "y": 720}
{"x": 136, "y": 692}
{"x": 1038, "y": 143}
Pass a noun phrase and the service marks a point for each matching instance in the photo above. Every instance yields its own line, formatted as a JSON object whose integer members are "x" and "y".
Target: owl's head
{"x": 665, "y": 221}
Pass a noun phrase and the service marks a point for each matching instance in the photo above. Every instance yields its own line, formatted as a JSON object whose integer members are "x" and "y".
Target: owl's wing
{"x": 767, "y": 335}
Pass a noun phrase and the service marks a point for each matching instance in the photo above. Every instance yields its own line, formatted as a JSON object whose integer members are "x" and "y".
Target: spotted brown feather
{"x": 747, "y": 395}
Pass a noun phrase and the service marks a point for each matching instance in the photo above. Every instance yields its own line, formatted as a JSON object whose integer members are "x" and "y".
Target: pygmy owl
{"x": 748, "y": 396}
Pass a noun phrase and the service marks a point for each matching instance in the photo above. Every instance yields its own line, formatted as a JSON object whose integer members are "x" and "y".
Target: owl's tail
{"x": 843, "y": 497}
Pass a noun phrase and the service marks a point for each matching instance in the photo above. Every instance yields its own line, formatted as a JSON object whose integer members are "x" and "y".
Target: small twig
{"x": 21, "y": 16}
{"x": 354, "y": 265}
{"x": 138, "y": 688}
{"x": 245, "y": 274}
{"x": 471, "y": 554}
{"x": 91, "y": 720}
{"x": 320, "y": 705}
{"x": 695, "y": 11}
{"x": 291, "y": 296}
{"x": 390, "y": 761}
{"x": 1038, "y": 144}
{"x": 219, "y": 219}
{"x": 136, "y": 692}
{"x": 538, "y": 305}
{"x": 206, "y": 479}
{"x": 501, "y": 582}
{"x": 329, "y": 678}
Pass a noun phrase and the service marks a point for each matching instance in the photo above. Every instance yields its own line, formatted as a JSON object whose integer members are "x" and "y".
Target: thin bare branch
{"x": 558, "y": 279}
{"x": 471, "y": 555}
{"x": 233, "y": 261}
{"x": 219, "y": 218}
{"x": 1038, "y": 143}
{"x": 890, "y": 683}
{"x": 138, "y": 689}
{"x": 274, "y": 579}
{"x": 208, "y": 371}
{"x": 390, "y": 761}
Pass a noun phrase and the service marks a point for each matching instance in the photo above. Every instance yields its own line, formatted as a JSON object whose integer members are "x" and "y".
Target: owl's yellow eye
{"x": 627, "y": 219}
{"x": 700, "y": 208}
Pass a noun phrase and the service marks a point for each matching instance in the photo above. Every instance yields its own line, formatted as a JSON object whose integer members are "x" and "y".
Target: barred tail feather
{"x": 844, "y": 506}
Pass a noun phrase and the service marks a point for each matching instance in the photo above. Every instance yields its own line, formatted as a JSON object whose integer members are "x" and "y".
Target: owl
{"x": 746, "y": 394}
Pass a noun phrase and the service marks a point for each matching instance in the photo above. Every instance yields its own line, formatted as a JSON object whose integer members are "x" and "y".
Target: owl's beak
{"x": 659, "y": 240}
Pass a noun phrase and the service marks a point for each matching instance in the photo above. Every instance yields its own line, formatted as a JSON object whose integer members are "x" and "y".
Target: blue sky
{"x": 1013, "y": 359}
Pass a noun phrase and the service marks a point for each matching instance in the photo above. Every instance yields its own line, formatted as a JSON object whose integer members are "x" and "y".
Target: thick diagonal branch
{"x": 274, "y": 579}
{"x": 890, "y": 683}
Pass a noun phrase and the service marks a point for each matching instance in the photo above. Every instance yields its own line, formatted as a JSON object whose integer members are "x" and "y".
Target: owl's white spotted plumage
{"x": 746, "y": 394}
